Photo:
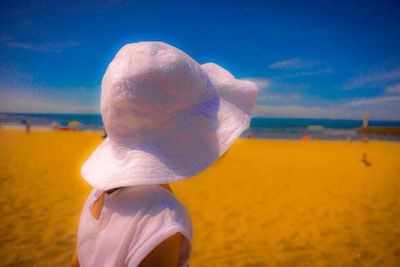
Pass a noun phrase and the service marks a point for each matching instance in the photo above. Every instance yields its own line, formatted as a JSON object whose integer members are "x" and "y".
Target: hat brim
{"x": 184, "y": 146}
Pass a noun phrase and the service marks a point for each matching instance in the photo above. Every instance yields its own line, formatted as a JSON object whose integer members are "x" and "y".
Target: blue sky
{"x": 319, "y": 59}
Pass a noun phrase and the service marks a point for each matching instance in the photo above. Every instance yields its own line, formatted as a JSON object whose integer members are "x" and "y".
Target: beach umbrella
{"x": 75, "y": 125}
{"x": 64, "y": 125}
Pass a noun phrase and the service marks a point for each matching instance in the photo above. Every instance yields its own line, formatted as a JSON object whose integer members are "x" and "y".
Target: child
{"x": 167, "y": 118}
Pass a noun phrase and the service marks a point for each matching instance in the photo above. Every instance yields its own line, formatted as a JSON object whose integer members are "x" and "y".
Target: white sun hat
{"x": 166, "y": 116}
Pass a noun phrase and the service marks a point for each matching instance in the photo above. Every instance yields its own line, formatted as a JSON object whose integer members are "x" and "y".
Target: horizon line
{"x": 262, "y": 117}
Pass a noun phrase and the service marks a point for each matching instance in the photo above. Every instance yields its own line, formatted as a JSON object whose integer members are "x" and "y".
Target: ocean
{"x": 325, "y": 129}
{"x": 260, "y": 127}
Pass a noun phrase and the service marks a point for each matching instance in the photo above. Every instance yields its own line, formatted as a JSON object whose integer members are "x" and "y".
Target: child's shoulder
{"x": 146, "y": 198}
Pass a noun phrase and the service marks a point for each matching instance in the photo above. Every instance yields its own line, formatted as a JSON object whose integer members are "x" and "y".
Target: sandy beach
{"x": 266, "y": 203}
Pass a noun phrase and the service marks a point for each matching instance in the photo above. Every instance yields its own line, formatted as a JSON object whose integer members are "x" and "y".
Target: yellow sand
{"x": 266, "y": 203}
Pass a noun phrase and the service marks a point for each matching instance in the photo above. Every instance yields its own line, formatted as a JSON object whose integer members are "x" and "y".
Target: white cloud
{"x": 262, "y": 83}
{"x": 379, "y": 108}
{"x": 36, "y": 100}
{"x": 266, "y": 93}
{"x": 307, "y": 73}
{"x": 282, "y": 100}
{"x": 373, "y": 78}
{"x": 279, "y": 97}
{"x": 37, "y": 105}
{"x": 380, "y": 100}
{"x": 294, "y": 63}
{"x": 49, "y": 47}
{"x": 273, "y": 92}
{"x": 297, "y": 111}
{"x": 393, "y": 89}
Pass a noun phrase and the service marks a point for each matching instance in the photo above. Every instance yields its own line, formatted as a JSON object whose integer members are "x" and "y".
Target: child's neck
{"x": 166, "y": 186}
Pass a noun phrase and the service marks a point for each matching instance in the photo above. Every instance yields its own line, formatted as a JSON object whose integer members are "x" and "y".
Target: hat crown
{"x": 146, "y": 84}
{"x": 167, "y": 117}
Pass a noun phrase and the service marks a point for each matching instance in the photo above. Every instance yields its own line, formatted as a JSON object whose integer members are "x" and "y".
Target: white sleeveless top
{"x": 133, "y": 221}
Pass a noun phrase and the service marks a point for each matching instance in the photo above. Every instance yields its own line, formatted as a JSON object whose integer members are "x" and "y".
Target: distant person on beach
{"x": 167, "y": 118}
{"x": 27, "y": 124}
{"x": 365, "y": 160}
